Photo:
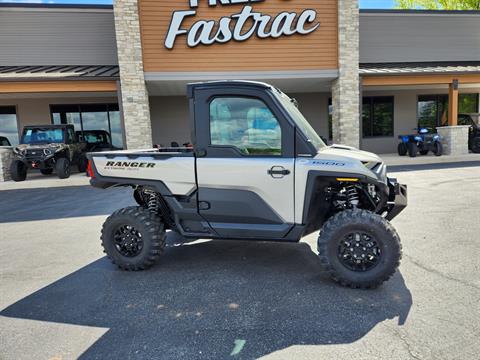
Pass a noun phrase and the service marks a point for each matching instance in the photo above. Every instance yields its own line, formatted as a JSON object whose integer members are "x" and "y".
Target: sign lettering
{"x": 239, "y": 26}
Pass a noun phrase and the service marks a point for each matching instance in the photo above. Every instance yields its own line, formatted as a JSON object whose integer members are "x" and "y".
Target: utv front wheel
{"x": 412, "y": 149}
{"x": 63, "y": 168}
{"x": 402, "y": 149}
{"x": 133, "y": 238}
{"x": 18, "y": 171}
{"x": 359, "y": 249}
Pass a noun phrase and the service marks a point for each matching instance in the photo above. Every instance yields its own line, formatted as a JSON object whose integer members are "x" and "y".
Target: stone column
{"x": 454, "y": 139}
{"x": 345, "y": 89}
{"x": 134, "y": 94}
{"x": 6, "y": 157}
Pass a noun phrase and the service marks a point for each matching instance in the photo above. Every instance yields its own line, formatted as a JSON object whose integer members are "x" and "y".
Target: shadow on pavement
{"x": 437, "y": 166}
{"x": 203, "y": 298}
{"x": 61, "y": 202}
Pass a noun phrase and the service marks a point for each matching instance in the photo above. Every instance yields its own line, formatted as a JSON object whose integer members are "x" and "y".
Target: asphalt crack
{"x": 443, "y": 275}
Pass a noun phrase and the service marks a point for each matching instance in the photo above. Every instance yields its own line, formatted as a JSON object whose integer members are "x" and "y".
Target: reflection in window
{"x": 377, "y": 116}
{"x": 104, "y": 117}
{"x": 432, "y": 111}
{"x": 468, "y": 103}
{"x": 8, "y": 124}
{"x": 245, "y": 123}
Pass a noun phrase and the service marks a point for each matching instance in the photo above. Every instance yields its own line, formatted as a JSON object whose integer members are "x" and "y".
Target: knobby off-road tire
{"x": 18, "y": 171}
{"x": 137, "y": 252}
{"x": 63, "y": 168}
{"x": 438, "y": 148}
{"x": 337, "y": 230}
{"x": 412, "y": 149}
{"x": 402, "y": 149}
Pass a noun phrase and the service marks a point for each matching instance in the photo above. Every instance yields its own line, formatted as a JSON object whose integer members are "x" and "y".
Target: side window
{"x": 245, "y": 123}
{"x": 70, "y": 136}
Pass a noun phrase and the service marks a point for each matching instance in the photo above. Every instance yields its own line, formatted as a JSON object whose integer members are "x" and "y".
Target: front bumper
{"x": 397, "y": 199}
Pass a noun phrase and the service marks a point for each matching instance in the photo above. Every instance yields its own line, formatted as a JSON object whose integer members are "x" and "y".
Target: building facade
{"x": 361, "y": 77}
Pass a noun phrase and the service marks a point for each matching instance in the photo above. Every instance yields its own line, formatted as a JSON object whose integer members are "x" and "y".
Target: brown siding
{"x": 316, "y": 51}
{"x": 57, "y": 86}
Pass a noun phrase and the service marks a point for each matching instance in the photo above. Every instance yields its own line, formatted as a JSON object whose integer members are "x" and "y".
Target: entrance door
{"x": 246, "y": 176}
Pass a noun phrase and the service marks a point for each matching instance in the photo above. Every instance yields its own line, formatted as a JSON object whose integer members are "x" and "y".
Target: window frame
{"x": 109, "y": 106}
{"x": 372, "y": 115}
{"x": 17, "y": 120}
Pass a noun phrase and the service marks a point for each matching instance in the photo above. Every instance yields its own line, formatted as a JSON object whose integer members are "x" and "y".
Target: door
{"x": 246, "y": 173}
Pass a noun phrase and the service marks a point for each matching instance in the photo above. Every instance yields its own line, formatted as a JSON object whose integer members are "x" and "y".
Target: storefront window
{"x": 468, "y": 103}
{"x": 104, "y": 117}
{"x": 8, "y": 124}
{"x": 377, "y": 116}
{"x": 433, "y": 109}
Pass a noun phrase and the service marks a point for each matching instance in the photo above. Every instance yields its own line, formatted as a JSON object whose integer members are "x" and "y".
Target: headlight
{"x": 47, "y": 152}
{"x": 18, "y": 151}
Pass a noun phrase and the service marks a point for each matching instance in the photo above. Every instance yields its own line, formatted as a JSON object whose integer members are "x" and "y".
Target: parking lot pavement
{"x": 61, "y": 298}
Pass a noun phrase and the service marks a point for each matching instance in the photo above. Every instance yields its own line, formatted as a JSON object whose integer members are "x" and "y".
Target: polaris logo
{"x": 129, "y": 164}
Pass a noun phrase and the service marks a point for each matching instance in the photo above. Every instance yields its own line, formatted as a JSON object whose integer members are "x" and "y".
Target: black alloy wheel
{"x": 359, "y": 251}
{"x": 128, "y": 240}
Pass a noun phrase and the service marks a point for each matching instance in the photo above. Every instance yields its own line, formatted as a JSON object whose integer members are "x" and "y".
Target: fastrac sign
{"x": 239, "y": 26}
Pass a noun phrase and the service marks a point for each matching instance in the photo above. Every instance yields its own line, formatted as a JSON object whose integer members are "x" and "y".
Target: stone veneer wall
{"x": 6, "y": 156}
{"x": 136, "y": 110}
{"x": 454, "y": 139}
{"x": 346, "y": 89}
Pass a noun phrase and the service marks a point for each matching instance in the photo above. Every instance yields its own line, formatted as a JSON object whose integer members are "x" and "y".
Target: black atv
{"x": 48, "y": 148}
{"x": 472, "y": 120}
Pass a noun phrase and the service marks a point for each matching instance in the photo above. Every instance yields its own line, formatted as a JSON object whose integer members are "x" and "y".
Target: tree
{"x": 439, "y": 4}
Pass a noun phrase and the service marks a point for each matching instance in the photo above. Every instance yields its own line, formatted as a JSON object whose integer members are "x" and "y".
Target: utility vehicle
{"x": 472, "y": 120}
{"x": 48, "y": 148}
{"x": 257, "y": 171}
{"x": 423, "y": 142}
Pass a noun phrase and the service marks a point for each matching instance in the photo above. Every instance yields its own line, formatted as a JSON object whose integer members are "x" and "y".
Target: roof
{"x": 59, "y": 72}
{"x": 221, "y": 83}
{"x": 425, "y": 68}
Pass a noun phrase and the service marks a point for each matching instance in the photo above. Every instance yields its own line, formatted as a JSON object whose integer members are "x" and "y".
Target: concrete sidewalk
{"x": 395, "y": 159}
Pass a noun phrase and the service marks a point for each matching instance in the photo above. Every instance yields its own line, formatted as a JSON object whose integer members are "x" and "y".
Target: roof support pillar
{"x": 453, "y": 103}
{"x": 346, "y": 89}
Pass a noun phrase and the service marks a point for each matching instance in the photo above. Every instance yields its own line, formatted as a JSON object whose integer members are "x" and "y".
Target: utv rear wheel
{"x": 133, "y": 238}
{"x": 402, "y": 149}
{"x": 437, "y": 148}
{"x": 359, "y": 249}
{"x": 63, "y": 168}
{"x": 18, "y": 171}
{"x": 412, "y": 149}
{"x": 46, "y": 171}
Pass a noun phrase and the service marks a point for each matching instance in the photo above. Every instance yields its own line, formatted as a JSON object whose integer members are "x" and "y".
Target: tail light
{"x": 90, "y": 172}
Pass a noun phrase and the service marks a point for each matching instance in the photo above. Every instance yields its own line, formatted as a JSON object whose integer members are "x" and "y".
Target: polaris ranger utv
{"x": 257, "y": 171}
{"x": 48, "y": 148}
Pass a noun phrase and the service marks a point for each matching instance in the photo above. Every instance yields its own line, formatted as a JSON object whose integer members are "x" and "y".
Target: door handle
{"x": 278, "y": 172}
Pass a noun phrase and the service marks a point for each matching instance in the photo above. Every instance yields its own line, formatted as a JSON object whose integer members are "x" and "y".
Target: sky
{"x": 364, "y": 4}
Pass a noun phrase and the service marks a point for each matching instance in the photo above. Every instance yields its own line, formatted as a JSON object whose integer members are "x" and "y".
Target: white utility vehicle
{"x": 257, "y": 171}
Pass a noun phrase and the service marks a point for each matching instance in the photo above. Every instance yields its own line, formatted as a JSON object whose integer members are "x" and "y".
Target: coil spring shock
{"x": 352, "y": 195}
{"x": 152, "y": 201}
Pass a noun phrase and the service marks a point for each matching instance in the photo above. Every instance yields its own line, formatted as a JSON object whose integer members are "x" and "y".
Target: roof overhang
{"x": 175, "y": 83}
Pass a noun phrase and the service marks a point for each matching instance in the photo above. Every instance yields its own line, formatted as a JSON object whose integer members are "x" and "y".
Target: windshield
{"x": 96, "y": 138}
{"x": 42, "y": 136}
{"x": 300, "y": 120}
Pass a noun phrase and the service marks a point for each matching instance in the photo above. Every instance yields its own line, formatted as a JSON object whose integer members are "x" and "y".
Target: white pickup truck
{"x": 257, "y": 171}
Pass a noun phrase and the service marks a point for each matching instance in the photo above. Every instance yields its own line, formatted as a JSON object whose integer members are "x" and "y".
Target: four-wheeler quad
{"x": 48, "y": 148}
{"x": 257, "y": 171}
{"x": 422, "y": 142}
{"x": 472, "y": 120}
